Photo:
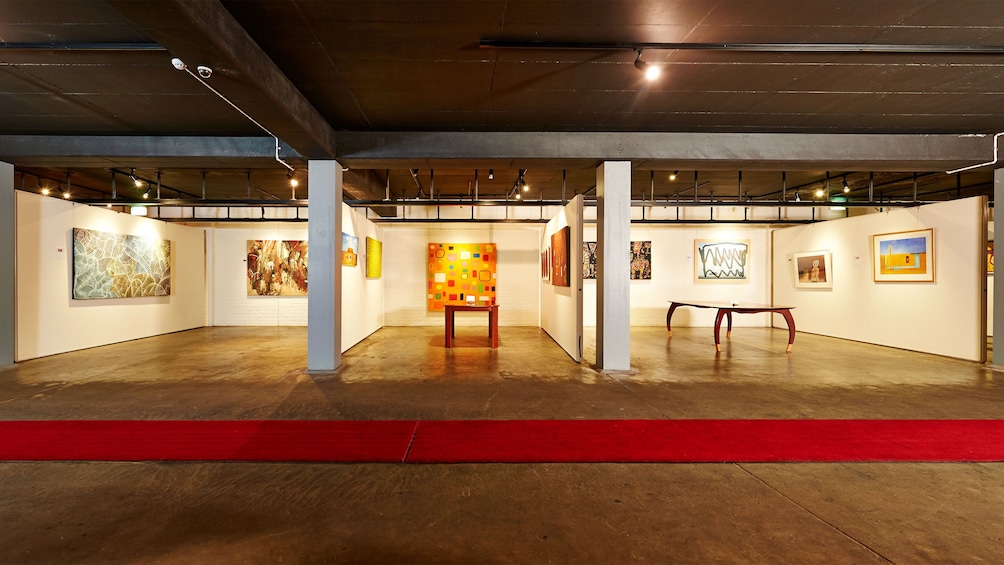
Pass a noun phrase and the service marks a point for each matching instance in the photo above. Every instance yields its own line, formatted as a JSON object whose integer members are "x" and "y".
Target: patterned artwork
{"x": 559, "y": 257}
{"x": 461, "y": 273}
{"x": 374, "y": 258}
{"x": 545, "y": 264}
{"x": 641, "y": 260}
{"x": 350, "y": 250}
{"x": 110, "y": 265}
{"x": 721, "y": 260}
{"x": 588, "y": 259}
{"x": 277, "y": 268}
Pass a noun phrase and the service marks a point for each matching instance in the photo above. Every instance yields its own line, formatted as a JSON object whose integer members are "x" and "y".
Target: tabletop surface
{"x": 731, "y": 306}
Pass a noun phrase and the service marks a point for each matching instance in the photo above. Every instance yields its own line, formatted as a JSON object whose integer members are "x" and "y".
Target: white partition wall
{"x": 673, "y": 276}
{"x": 362, "y": 309}
{"x": 231, "y": 305}
{"x": 561, "y": 306}
{"x": 941, "y": 317}
{"x": 406, "y": 271}
{"x": 49, "y": 321}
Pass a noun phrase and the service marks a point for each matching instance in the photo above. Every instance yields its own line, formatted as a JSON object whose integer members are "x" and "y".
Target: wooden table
{"x": 493, "y": 321}
{"x": 726, "y": 310}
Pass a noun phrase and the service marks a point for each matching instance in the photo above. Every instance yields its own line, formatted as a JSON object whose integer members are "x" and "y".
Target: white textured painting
{"x": 111, "y": 265}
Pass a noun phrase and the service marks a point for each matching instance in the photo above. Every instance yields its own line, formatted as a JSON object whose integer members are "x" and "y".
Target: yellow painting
{"x": 461, "y": 273}
{"x": 903, "y": 256}
{"x": 374, "y": 258}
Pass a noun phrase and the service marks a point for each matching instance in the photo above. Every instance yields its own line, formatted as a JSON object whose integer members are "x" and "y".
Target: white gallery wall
{"x": 230, "y": 304}
{"x": 561, "y": 306}
{"x": 405, "y": 270}
{"x": 941, "y": 317}
{"x": 49, "y": 321}
{"x": 673, "y": 276}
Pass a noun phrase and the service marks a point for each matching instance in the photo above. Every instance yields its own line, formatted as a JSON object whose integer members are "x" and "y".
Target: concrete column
{"x": 324, "y": 300}
{"x": 998, "y": 280}
{"x": 7, "y": 243}
{"x": 613, "y": 272}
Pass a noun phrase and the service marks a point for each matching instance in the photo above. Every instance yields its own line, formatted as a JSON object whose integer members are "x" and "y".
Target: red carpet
{"x": 504, "y": 441}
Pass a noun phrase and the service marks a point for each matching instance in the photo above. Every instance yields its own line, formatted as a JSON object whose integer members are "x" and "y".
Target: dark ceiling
{"x": 311, "y": 71}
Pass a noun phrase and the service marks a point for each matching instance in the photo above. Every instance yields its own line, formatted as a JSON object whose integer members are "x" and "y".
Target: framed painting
{"x": 276, "y": 268}
{"x": 990, "y": 257}
{"x": 559, "y": 257}
{"x": 721, "y": 261}
{"x": 813, "y": 269}
{"x": 906, "y": 256}
{"x": 350, "y": 250}
{"x": 459, "y": 274}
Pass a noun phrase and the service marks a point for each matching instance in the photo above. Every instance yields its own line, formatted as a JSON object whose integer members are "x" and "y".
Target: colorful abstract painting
{"x": 721, "y": 261}
{"x": 813, "y": 269}
{"x": 641, "y": 260}
{"x": 110, "y": 265}
{"x": 374, "y": 258}
{"x": 350, "y": 250}
{"x": 990, "y": 257}
{"x": 559, "y": 257}
{"x": 588, "y": 259}
{"x": 461, "y": 273}
{"x": 903, "y": 256}
{"x": 277, "y": 268}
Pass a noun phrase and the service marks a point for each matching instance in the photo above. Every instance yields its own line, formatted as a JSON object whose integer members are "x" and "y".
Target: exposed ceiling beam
{"x": 910, "y": 49}
{"x": 706, "y": 151}
{"x": 55, "y": 151}
{"x": 203, "y": 32}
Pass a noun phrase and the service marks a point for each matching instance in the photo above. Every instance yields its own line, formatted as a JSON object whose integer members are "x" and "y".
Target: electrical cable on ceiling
{"x": 205, "y": 72}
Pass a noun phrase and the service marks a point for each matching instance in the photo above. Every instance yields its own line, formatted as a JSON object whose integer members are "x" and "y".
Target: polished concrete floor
{"x": 95, "y": 512}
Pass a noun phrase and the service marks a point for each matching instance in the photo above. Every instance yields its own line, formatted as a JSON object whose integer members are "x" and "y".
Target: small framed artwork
{"x": 812, "y": 269}
{"x": 721, "y": 261}
{"x": 906, "y": 256}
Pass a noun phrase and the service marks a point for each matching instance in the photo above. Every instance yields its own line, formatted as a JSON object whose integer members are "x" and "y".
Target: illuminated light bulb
{"x": 672, "y": 176}
{"x": 526, "y": 188}
{"x": 137, "y": 182}
{"x": 146, "y": 195}
{"x": 518, "y": 196}
{"x": 66, "y": 195}
{"x": 294, "y": 183}
{"x": 45, "y": 192}
{"x": 652, "y": 72}
{"x": 819, "y": 193}
{"x": 846, "y": 189}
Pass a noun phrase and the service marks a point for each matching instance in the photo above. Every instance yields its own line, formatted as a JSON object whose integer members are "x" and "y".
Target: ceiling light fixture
{"x": 43, "y": 189}
{"x": 135, "y": 181}
{"x": 491, "y": 174}
{"x": 204, "y": 73}
{"x": 672, "y": 176}
{"x": 651, "y": 71}
{"x": 819, "y": 192}
{"x": 847, "y": 188}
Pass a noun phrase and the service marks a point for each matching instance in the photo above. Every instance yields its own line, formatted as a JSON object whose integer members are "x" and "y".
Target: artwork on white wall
{"x": 374, "y": 258}
{"x": 588, "y": 259}
{"x": 560, "y": 275}
{"x": 641, "y": 260}
{"x": 721, "y": 260}
{"x": 350, "y": 250}
{"x": 111, "y": 265}
{"x": 906, "y": 256}
{"x": 276, "y": 268}
{"x": 812, "y": 269}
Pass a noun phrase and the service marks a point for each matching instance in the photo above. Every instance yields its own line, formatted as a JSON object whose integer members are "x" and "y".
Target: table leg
{"x": 449, "y": 328}
{"x": 718, "y": 329}
{"x": 791, "y": 327}
{"x": 493, "y": 327}
{"x": 728, "y": 332}
{"x": 669, "y": 316}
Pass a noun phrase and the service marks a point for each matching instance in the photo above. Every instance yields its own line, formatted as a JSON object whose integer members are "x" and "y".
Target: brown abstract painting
{"x": 559, "y": 258}
{"x": 277, "y": 268}
{"x": 111, "y": 265}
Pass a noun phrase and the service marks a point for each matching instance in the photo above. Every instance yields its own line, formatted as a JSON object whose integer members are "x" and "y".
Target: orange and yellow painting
{"x": 461, "y": 273}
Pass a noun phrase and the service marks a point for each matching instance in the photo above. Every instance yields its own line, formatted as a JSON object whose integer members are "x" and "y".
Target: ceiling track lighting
{"x": 204, "y": 73}
{"x": 651, "y": 71}
{"x": 672, "y": 176}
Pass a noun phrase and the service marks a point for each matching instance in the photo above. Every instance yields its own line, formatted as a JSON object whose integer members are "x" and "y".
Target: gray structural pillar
{"x": 998, "y": 314}
{"x": 324, "y": 234}
{"x": 7, "y": 243}
{"x": 613, "y": 274}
